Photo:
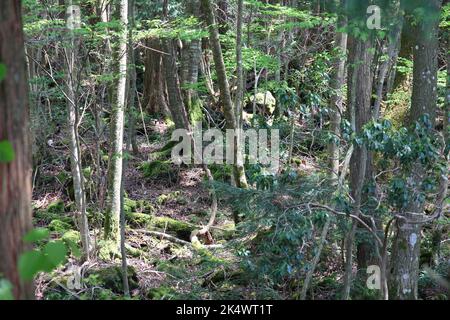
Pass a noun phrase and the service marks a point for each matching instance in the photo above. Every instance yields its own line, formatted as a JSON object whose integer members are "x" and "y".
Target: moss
{"x": 59, "y": 226}
{"x": 161, "y": 293}
{"x": 134, "y": 252}
{"x": 56, "y": 207}
{"x": 222, "y": 172}
{"x": 227, "y": 231}
{"x": 171, "y": 197}
{"x": 72, "y": 236}
{"x": 129, "y": 205}
{"x": 108, "y": 250}
{"x": 145, "y": 207}
{"x": 111, "y": 278}
{"x": 158, "y": 169}
{"x": 195, "y": 111}
{"x": 138, "y": 220}
{"x": 178, "y": 228}
{"x": 183, "y": 230}
{"x": 55, "y": 211}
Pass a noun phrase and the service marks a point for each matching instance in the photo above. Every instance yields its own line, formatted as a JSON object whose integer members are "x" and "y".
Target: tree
{"x": 225, "y": 94}
{"x": 112, "y": 223}
{"x": 336, "y": 103}
{"x": 15, "y": 148}
{"x": 406, "y": 248}
{"x": 359, "y": 105}
{"x": 72, "y": 85}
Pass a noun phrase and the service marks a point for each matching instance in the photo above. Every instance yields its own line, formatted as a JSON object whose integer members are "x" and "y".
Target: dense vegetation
{"x": 93, "y": 205}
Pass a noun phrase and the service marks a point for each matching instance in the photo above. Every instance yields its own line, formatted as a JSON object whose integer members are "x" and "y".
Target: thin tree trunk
{"x": 225, "y": 95}
{"x": 74, "y": 141}
{"x": 112, "y": 223}
{"x": 336, "y": 103}
{"x": 132, "y": 84}
{"x": 15, "y": 176}
{"x": 239, "y": 64}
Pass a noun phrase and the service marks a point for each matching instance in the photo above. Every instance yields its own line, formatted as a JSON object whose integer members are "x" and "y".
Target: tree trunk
{"x": 176, "y": 105}
{"x": 359, "y": 100}
{"x": 191, "y": 57}
{"x": 132, "y": 83}
{"x": 239, "y": 64}
{"x": 336, "y": 103}
{"x": 74, "y": 141}
{"x": 15, "y": 176}
{"x": 225, "y": 95}
{"x": 155, "y": 96}
{"x": 112, "y": 222}
{"x": 406, "y": 249}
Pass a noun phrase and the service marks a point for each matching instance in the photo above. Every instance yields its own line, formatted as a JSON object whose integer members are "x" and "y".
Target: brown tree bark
{"x": 225, "y": 95}
{"x": 155, "y": 96}
{"x": 406, "y": 248}
{"x": 15, "y": 176}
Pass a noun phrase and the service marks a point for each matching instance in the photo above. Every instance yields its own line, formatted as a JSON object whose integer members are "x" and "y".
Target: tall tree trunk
{"x": 336, "y": 103}
{"x": 112, "y": 222}
{"x": 225, "y": 95}
{"x": 192, "y": 52}
{"x": 74, "y": 141}
{"x": 176, "y": 105}
{"x": 406, "y": 249}
{"x": 391, "y": 50}
{"x": 239, "y": 64}
{"x": 155, "y": 96}
{"x": 132, "y": 95}
{"x": 15, "y": 176}
{"x": 359, "y": 101}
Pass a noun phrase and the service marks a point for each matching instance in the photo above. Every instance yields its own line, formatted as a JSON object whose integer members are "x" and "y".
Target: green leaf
{"x": 55, "y": 252}
{"x": 36, "y": 235}
{"x": 7, "y": 153}
{"x": 5, "y": 290}
{"x": 2, "y": 71}
{"x": 30, "y": 263}
{"x": 73, "y": 248}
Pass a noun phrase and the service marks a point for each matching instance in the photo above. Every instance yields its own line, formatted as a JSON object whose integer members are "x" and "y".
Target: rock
{"x": 265, "y": 100}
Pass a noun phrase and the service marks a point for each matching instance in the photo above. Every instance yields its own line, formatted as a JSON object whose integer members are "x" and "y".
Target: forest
{"x": 224, "y": 150}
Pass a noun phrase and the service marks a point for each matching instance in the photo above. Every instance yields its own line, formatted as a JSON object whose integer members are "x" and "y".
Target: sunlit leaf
{"x": 55, "y": 252}
{"x": 36, "y": 235}
{"x": 2, "y": 71}
{"x": 7, "y": 153}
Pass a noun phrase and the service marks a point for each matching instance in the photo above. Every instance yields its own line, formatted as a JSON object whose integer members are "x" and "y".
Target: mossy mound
{"x": 175, "y": 197}
{"x": 111, "y": 278}
{"x": 178, "y": 228}
{"x": 161, "y": 293}
{"x": 55, "y": 211}
{"x": 59, "y": 226}
{"x": 108, "y": 250}
{"x": 159, "y": 170}
{"x": 140, "y": 206}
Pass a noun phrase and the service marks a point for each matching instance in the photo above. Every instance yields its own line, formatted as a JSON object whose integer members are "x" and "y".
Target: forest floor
{"x": 166, "y": 199}
{"x": 159, "y": 268}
